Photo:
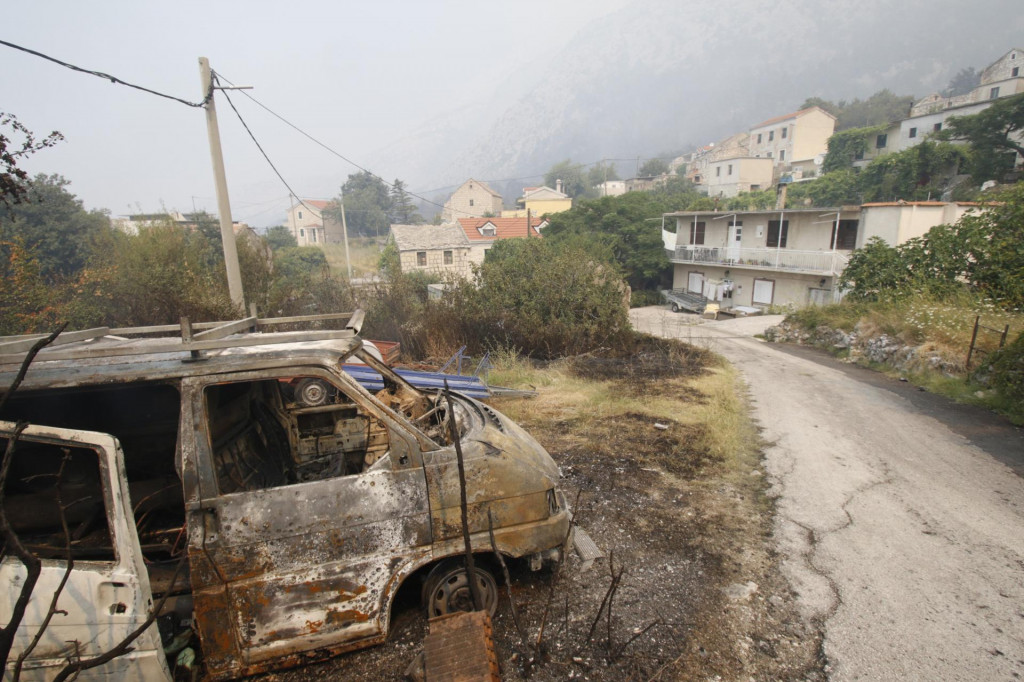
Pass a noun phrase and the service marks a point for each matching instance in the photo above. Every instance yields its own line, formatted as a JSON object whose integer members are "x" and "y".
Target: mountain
{"x": 666, "y": 74}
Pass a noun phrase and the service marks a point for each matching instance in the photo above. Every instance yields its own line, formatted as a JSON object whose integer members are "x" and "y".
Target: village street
{"x": 900, "y": 517}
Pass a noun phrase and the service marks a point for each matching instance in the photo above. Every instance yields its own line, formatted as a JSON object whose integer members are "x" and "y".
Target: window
{"x": 755, "y": 188}
{"x": 771, "y": 135}
{"x": 300, "y": 218}
{"x": 776, "y": 239}
{"x": 784, "y": 133}
{"x": 421, "y": 258}
{"x": 730, "y": 173}
{"x": 758, "y": 141}
{"x": 302, "y": 233}
{"x": 913, "y": 133}
{"x": 448, "y": 261}
{"x": 764, "y": 291}
{"x": 937, "y": 127}
{"x": 697, "y": 233}
{"x": 993, "y": 93}
{"x": 312, "y": 235}
{"x": 769, "y": 155}
{"x": 292, "y": 429}
{"x": 39, "y": 476}
{"x": 782, "y": 155}
{"x": 847, "y": 237}
{"x": 718, "y": 174}
{"x": 470, "y": 203}
{"x": 881, "y": 141}
{"x": 859, "y": 156}
{"x": 1015, "y": 72}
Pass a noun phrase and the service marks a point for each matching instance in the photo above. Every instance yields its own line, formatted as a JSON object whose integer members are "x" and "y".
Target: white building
{"x": 790, "y": 257}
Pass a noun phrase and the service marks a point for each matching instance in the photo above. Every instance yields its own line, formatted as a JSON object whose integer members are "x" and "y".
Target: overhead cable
{"x": 112, "y": 79}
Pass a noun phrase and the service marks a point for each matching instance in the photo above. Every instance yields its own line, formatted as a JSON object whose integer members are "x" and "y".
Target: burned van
{"x": 248, "y": 491}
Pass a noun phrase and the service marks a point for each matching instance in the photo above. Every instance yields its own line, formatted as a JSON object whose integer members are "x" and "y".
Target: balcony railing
{"x": 786, "y": 260}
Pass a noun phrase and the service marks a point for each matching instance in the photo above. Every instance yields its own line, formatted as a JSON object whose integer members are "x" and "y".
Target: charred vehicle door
{"x": 306, "y": 506}
{"x": 107, "y": 594}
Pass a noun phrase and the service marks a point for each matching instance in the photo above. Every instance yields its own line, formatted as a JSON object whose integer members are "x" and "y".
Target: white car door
{"x": 107, "y": 594}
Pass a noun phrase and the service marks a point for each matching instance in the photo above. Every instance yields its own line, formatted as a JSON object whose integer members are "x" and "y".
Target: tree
{"x": 913, "y": 174}
{"x": 280, "y": 237}
{"x": 653, "y": 167}
{"x": 403, "y": 210}
{"x": 53, "y": 225}
{"x": 994, "y": 135}
{"x": 962, "y": 83}
{"x": 838, "y": 188}
{"x": 882, "y": 107}
{"x": 13, "y": 180}
{"x": 628, "y": 226}
{"x": 601, "y": 172}
{"x": 367, "y": 201}
{"x": 571, "y": 175}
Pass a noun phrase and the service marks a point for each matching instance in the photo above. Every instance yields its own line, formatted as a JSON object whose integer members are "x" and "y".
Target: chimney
{"x": 558, "y": 185}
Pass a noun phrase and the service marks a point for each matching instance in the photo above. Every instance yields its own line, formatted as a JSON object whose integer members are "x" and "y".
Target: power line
{"x": 333, "y": 151}
{"x": 107, "y": 76}
{"x": 259, "y": 146}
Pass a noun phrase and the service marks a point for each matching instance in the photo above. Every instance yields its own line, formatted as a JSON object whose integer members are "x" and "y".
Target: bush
{"x": 644, "y": 297}
{"x": 1006, "y": 373}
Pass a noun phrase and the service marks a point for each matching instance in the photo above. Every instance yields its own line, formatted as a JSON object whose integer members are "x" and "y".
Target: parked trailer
{"x": 681, "y": 299}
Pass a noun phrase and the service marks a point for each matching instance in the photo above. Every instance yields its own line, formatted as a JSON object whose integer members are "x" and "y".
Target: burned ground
{"x": 686, "y": 519}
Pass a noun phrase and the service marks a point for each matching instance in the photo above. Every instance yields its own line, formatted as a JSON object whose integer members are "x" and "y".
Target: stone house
{"x": 472, "y": 199}
{"x": 698, "y": 162}
{"x": 790, "y": 257}
{"x": 437, "y": 249}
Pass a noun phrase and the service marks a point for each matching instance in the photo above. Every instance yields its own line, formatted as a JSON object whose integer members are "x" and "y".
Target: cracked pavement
{"x": 899, "y": 516}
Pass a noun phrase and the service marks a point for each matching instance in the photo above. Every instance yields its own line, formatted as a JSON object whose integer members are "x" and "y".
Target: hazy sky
{"x": 357, "y": 75}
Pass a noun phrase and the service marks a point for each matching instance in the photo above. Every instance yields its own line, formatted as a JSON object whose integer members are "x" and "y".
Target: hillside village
{"x": 789, "y": 254}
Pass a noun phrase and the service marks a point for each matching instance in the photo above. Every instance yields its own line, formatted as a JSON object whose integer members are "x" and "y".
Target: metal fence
{"x": 816, "y": 262}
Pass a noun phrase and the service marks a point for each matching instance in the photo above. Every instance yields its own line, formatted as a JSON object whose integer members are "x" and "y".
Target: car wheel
{"x": 447, "y": 589}
{"x": 675, "y": 307}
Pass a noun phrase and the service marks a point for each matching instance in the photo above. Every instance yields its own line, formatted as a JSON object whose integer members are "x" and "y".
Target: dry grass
{"x": 364, "y": 251}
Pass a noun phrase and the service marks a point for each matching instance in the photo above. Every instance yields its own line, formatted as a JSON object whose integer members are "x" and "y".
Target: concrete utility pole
{"x": 227, "y": 234}
{"x": 344, "y": 234}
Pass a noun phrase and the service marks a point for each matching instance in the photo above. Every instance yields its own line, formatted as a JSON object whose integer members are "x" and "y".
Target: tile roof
{"x": 423, "y": 237}
{"x": 505, "y": 228}
{"x": 786, "y": 117}
{"x": 315, "y": 203}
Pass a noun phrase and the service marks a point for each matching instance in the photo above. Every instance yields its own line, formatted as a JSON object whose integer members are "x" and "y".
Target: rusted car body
{"x": 298, "y": 501}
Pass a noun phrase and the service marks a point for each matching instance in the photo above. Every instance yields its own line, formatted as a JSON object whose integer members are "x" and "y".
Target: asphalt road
{"x": 900, "y": 516}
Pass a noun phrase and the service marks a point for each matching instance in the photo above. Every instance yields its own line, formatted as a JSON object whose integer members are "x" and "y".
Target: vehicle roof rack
{"x": 194, "y": 337}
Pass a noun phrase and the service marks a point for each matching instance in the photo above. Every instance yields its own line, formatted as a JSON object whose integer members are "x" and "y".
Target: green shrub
{"x": 1006, "y": 368}
{"x": 645, "y": 297}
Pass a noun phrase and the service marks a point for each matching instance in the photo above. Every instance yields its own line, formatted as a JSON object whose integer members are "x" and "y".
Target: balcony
{"x": 829, "y": 263}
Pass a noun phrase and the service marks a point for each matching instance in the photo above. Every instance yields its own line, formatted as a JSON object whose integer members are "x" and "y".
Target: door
{"x": 309, "y": 505}
{"x": 107, "y": 594}
{"x": 734, "y": 238}
{"x": 695, "y": 283}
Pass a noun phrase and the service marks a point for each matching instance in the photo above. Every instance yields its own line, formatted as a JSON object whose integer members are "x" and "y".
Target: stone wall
{"x": 875, "y": 347}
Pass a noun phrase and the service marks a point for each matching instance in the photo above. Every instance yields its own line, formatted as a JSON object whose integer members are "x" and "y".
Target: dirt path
{"x": 902, "y": 534}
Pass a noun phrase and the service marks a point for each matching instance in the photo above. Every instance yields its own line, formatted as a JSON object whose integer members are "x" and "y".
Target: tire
{"x": 675, "y": 307}
{"x": 446, "y": 589}
{"x": 312, "y": 392}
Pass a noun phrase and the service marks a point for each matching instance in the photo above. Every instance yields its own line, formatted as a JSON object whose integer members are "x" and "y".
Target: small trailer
{"x": 681, "y": 299}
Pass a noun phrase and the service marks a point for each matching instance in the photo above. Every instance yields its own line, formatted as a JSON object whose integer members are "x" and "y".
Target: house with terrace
{"x": 786, "y": 257}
